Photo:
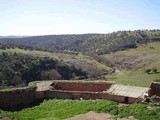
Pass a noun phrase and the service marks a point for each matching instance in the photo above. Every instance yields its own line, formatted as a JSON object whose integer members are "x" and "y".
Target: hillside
{"x": 130, "y": 53}
{"x": 86, "y": 43}
{"x": 20, "y": 69}
{"x": 19, "y": 66}
{"x": 133, "y": 64}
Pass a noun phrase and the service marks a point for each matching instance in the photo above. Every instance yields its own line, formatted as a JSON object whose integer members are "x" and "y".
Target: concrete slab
{"x": 43, "y": 85}
{"x": 128, "y": 91}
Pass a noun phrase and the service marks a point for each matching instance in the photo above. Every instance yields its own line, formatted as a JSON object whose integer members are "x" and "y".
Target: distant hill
{"x": 86, "y": 43}
{"x": 33, "y": 65}
{"x": 12, "y": 36}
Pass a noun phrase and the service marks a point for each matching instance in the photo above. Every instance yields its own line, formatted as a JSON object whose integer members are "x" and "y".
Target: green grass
{"x": 148, "y": 56}
{"x": 62, "y": 109}
{"x": 135, "y": 78}
{"x": 7, "y": 89}
{"x": 140, "y": 112}
{"x": 92, "y": 61}
{"x": 31, "y": 52}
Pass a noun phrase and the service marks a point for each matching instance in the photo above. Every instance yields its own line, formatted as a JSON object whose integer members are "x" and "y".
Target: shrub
{"x": 147, "y": 71}
{"x": 154, "y": 70}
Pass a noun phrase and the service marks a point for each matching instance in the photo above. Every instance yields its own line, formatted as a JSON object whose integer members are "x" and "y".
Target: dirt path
{"x": 91, "y": 116}
{"x": 96, "y": 116}
{"x": 4, "y": 118}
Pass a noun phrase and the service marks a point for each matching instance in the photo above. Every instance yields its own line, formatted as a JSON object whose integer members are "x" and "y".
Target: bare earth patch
{"x": 4, "y": 118}
{"x": 91, "y": 116}
{"x": 96, "y": 116}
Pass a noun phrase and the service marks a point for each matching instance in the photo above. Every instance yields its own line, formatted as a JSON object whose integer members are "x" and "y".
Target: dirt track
{"x": 97, "y": 116}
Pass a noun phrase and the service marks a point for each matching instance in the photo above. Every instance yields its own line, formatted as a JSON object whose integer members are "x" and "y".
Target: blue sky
{"x": 42, "y": 17}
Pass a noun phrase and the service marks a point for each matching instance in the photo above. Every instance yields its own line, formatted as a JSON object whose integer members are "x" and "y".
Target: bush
{"x": 147, "y": 71}
{"x": 154, "y": 70}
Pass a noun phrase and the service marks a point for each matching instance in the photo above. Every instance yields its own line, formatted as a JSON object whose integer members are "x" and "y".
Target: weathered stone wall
{"x": 17, "y": 97}
{"x": 82, "y": 86}
{"x": 39, "y": 95}
{"x": 59, "y": 95}
{"x": 86, "y": 95}
{"x": 66, "y": 90}
{"x": 154, "y": 89}
{"x": 134, "y": 100}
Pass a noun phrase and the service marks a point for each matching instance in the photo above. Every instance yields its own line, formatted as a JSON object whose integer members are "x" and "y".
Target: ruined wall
{"x": 58, "y": 95}
{"x": 84, "y": 90}
{"x": 17, "y": 97}
{"x": 72, "y": 95}
{"x": 134, "y": 100}
{"x": 154, "y": 89}
{"x": 65, "y": 90}
{"x": 39, "y": 95}
{"x": 86, "y": 96}
{"x": 82, "y": 86}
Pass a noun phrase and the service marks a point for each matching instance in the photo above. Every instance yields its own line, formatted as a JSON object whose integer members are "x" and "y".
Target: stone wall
{"x": 17, "y": 97}
{"x": 66, "y": 90}
{"x": 82, "y": 86}
{"x": 39, "y": 95}
{"x": 154, "y": 89}
{"x": 86, "y": 95}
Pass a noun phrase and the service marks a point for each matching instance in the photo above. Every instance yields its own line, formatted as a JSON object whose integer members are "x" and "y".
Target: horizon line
{"x": 75, "y": 33}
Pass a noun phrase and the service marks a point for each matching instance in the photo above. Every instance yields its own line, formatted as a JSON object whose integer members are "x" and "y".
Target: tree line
{"x": 86, "y": 43}
{"x": 20, "y": 69}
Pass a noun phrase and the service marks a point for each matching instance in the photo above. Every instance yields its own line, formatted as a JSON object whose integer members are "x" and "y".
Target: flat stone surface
{"x": 43, "y": 85}
{"x": 126, "y": 90}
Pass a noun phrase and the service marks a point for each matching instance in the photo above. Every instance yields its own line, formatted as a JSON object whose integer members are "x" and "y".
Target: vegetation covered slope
{"x": 22, "y": 66}
{"x": 63, "y": 109}
{"x": 18, "y": 69}
{"x": 134, "y": 63}
{"x": 86, "y": 43}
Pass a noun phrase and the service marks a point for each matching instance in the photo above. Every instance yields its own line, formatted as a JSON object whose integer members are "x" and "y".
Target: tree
{"x": 16, "y": 80}
{"x": 50, "y": 75}
{"x": 147, "y": 71}
{"x": 154, "y": 69}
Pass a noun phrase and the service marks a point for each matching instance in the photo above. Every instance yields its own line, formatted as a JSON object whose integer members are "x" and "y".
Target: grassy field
{"x": 62, "y": 109}
{"x": 146, "y": 56}
{"x": 135, "y": 78}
